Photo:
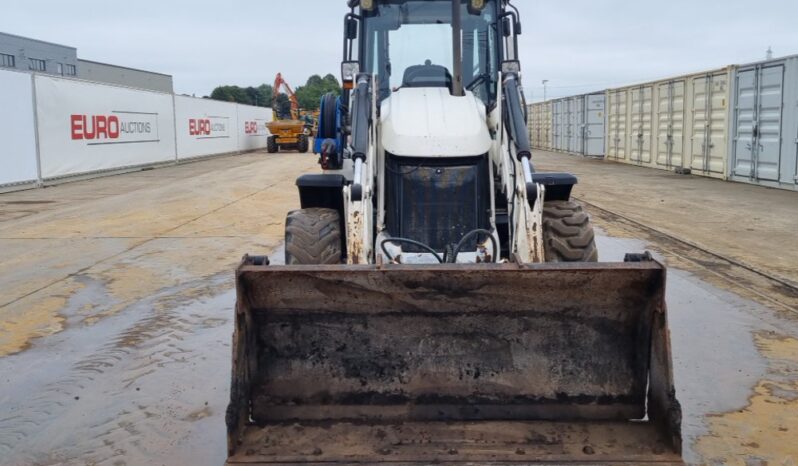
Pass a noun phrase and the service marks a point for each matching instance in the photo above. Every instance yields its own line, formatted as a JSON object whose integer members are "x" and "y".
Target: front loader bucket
{"x": 453, "y": 364}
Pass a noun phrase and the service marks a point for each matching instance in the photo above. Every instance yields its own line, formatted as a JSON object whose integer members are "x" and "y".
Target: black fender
{"x": 323, "y": 191}
{"x": 558, "y": 186}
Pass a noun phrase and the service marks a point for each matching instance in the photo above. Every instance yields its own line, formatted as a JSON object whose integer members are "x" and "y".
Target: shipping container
{"x": 579, "y": 125}
{"x": 595, "y": 124}
{"x": 617, "y": 118}
{"x": 669, "y": 128}
{"x": 630, "y": 124}
{"x": 540, "y": 125}
{"x": 533, "y": 124}
{"x": 764, "y": 141}
{"x": 709, "y": 97}
{"x": 641, "y": 116}
{"x": 574, "y": 117}
{"x": 546, "y": 125}
{"x": 558, "y": 126}
{"x": 672, "y": 124}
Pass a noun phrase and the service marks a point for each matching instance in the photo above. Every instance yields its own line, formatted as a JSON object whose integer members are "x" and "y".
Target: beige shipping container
{"x": 545, "y": 125}
{"x": 709, "y": 122}
{"x": 533, "y": 124}
{"x": 641, "y": 117}
{"x": 670, "y": 128}
{"x": 617, "y": 120}
{"x": 540, "y": 125}
{"x": 630, "y": 124}
{"x": 677, "y": 123}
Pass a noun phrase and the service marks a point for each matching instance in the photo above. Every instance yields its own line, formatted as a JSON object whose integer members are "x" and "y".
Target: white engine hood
{"x": 430, "y": 122}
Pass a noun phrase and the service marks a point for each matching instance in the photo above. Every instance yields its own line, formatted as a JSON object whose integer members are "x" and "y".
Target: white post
{"x": 174, "y": 124}
{"x": 39, "y": 179}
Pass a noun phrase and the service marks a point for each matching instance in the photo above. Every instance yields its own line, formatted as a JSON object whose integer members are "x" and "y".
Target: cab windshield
{"x": 409, "y": 44}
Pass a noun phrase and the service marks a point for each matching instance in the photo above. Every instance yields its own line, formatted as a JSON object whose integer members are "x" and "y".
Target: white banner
{"x": 205, "y": 127}
{"x": 252, "y": 124}
{"x": 88, "y": 127}
{"x": 17, "y": 133}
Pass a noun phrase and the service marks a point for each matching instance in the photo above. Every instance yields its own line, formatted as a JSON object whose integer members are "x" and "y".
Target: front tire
{"x": 303, "y": 144}
{"x": 313, "y": 237}
{"x": 568, "y": 234}
{"x": 271, "y": 145}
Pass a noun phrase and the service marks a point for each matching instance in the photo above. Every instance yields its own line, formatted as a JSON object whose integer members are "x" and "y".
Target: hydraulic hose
{"x": 411, "y": 242}
{"x": 467, "y": 237}
{"x": 455, "y": 251}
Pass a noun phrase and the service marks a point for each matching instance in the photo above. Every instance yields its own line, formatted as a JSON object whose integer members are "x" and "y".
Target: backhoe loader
{"x": 441, "y": 300}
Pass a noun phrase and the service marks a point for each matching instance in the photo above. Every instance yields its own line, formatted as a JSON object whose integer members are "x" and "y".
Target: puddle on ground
{"x": 718, "y": 361}
{"x": 150, "y": 384}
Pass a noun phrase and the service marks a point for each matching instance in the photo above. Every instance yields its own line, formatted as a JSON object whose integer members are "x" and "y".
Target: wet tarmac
{"x": 715, "y": 355}
{"x": 117, "y": 305}
{"x": 149, "y": 385}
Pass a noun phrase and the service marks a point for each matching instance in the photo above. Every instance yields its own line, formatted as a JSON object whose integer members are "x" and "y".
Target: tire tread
{"x": 568, "y": 233}
{"x": 313, "y": 237}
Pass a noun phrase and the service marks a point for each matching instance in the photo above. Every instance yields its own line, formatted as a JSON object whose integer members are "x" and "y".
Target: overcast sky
{"x": 578, "y": 45}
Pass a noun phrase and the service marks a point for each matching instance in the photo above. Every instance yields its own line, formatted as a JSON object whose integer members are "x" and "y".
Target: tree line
{"x": 309, "y": 95}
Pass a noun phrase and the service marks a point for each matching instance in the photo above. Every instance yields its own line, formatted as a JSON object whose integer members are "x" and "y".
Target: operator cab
{"x": 418, "y": 133}
{"x": 408, "y": 44}
{"x": 434, "y": 94}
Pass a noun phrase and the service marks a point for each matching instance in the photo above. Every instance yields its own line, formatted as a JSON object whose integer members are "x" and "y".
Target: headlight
{"x": 511, "y": 66}
{"x": 368, "y": 5}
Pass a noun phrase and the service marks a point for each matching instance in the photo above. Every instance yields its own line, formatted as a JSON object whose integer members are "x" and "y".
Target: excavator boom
{"x": 280, "y": 84}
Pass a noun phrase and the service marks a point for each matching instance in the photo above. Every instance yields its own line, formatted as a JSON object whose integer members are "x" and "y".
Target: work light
{"x": 475, "y": 7}
{"x": 349, "y": 72}
{"x": 367, "y": 5}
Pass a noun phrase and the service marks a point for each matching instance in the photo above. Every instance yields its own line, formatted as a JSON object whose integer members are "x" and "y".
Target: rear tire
{"x": 568, "y": 234}
{"x": 303, "y": 144}
{"x": 271, "y": 145}
{"x": 313, "y": 237}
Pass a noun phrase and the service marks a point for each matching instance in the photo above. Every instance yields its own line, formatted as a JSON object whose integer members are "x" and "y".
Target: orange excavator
{"x": 286, "y": 134}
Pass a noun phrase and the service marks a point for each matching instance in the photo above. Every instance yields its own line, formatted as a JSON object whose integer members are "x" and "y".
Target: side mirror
{"x": 518, "y": 27}
{"x": 351, "y": 28}
{"x": 507, "y": 26}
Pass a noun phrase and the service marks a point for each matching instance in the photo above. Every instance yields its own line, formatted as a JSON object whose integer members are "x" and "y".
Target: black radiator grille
{"x": 437, "y": 201}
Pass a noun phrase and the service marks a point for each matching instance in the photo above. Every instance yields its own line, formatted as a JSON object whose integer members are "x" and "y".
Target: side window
{"x": 8, "y": 61}
{"x": 37, "y": 65}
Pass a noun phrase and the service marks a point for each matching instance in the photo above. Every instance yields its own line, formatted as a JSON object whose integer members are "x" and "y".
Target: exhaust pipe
{"x": 457, "y": 48}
